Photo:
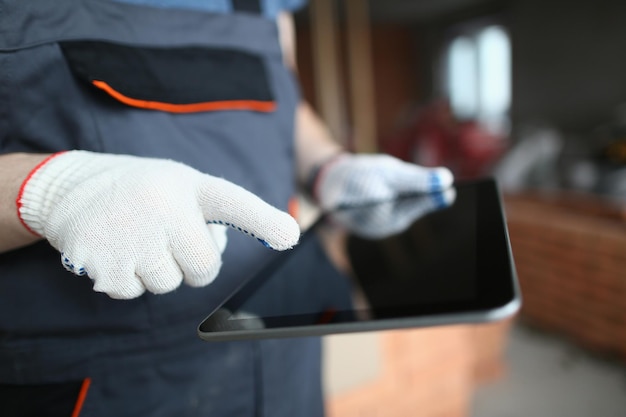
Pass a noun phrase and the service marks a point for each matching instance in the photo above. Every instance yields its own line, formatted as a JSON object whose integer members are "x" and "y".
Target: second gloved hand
{"x": 134, "y": 224}
{"x": 357, "y": 180}
{"x": 361, "y": 193}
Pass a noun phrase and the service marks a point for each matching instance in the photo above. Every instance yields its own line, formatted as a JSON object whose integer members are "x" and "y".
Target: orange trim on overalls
{"x": 81, "y": 397}
{"x": 293, "y": 207}
{"x": 255, "y": 105}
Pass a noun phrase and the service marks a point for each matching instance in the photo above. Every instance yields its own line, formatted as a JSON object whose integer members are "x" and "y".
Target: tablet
{"x": 417, "y": 261}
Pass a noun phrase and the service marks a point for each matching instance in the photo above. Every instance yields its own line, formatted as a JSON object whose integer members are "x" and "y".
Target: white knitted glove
{"x": 135, "y": 224}
{"x": 356, "y": 180}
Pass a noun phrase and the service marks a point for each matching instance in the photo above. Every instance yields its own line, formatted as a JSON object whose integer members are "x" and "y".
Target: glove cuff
{"x": 313, "y": 181}
{"x": 52, "y": 178}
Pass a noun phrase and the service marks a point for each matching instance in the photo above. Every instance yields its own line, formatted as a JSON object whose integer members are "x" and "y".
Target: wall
{"x": 569, "y": 60}
{"x": 394, "y": 68}
{"x": 568, "y": 57}
{"x": 570, "y": 258}
{"x": 429, "y": 372}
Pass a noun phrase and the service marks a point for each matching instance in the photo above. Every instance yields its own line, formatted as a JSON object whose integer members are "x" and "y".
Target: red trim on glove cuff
{"x": 18, "y": 200}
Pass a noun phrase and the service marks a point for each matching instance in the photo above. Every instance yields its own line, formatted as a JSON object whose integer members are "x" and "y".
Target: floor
{"x": 549, "y": 377}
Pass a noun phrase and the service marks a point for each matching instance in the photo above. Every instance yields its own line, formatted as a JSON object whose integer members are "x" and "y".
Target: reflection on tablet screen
{"x": 432, "y": 261}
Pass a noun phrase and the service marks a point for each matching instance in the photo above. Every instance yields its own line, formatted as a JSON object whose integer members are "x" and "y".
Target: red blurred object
{"x": 436, "y": 138}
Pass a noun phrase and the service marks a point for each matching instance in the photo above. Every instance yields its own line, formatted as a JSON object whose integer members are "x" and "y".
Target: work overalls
{"x": 208, "y": 90}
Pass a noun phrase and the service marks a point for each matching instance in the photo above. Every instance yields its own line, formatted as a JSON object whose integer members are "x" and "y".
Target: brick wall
{"x": 570, "y": 253}
{"x": 425, "y": 372}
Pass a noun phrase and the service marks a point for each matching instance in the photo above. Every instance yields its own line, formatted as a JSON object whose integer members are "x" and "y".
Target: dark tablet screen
{"x": 446, "y": 259}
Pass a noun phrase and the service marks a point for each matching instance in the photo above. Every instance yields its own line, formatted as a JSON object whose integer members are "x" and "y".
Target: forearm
{"x": 14, "y": 168}
{"x": 314, "y": 143}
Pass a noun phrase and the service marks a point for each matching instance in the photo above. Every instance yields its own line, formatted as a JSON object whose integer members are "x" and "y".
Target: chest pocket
{"x": 175, "y": 80}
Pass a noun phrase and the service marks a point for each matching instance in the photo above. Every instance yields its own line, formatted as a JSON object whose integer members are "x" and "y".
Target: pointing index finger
{"x": 223, "y": 202}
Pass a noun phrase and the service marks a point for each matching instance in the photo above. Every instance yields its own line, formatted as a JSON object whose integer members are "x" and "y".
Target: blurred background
{"x": 534, "y": 93}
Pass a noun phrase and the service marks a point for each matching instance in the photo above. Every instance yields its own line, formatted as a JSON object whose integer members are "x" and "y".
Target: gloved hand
{"x": 357, "y": 180}
{"x": 361, "y": 192}
{"x": 134, "y": 224}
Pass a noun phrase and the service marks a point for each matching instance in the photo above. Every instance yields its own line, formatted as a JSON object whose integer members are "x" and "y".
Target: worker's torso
{"x": 233, "y": 119}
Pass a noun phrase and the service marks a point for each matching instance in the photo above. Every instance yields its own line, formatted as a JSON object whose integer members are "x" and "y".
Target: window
{"x": 478, "y": 76}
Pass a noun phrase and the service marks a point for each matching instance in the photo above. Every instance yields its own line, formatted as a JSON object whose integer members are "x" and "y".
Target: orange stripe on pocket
{"x": 81, "y": 397}
{"x": 254, "y": 105}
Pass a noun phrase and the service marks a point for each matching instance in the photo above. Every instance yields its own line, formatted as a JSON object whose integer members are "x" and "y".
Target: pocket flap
{"x": 178, "y": 80}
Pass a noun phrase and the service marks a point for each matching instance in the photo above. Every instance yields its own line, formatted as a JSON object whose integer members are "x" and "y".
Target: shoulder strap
{"x": 247, "y": 6}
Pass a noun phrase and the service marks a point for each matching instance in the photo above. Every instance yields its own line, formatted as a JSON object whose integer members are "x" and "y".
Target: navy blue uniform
{"x": 143, "y": 357}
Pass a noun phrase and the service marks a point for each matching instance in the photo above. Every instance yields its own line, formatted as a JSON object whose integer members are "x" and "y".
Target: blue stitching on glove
{"x": 67, "y": 264}
{"x": 232, "y": 226}
{"x": 434, "y": 181}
